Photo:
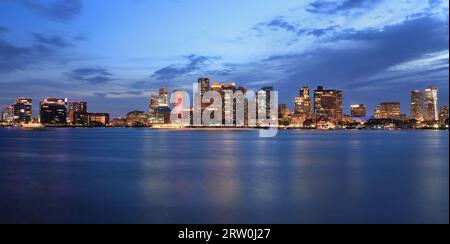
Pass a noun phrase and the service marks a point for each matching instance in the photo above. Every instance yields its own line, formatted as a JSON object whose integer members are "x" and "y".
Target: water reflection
{"x": 153, "y": 176}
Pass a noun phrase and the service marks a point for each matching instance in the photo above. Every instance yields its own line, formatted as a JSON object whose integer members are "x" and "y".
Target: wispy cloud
{"x": 56, "y": 41}
{"x": 195, "y": 63}
{"x": 340, "y": 6}
{"x": 91, "y": 75}
{"x": 56, "y": 10}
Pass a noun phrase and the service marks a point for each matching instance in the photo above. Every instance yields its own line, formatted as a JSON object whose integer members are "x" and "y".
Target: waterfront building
{"x": 98, "y": 119}
{"x": 75, "y": 107}
{"x": 137, "y": 119}
{"x": 8, "y": 114}
{"x": 431, "y": 104}
{"x": 443, "y": 115}
{"x": 416, "y": 106}
{"x": 387, "y": 110}
{"x": 358, "y": 111}
{"x": 303, "y": 103}
{"x": 22, "y": 110}
{"x": 328, "y": 104}
{"x": 53, "y": 111}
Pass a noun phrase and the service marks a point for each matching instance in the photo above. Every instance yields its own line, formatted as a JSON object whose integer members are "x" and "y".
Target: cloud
{"x": 91, "y": 75}
{"x": 280, "y": 23}
{"x": 339, "y": 6}
{"x": 55, "y": 10}
{"x": 14, "y": 58}
{"x": 56, "y": 41}
{"x": 11, "y": 57}
{"x": 3, "y": 29}
{"x": 195, "y": 63}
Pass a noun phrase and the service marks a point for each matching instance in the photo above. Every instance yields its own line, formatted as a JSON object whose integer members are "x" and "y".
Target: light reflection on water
{"x": 151, "y": 176}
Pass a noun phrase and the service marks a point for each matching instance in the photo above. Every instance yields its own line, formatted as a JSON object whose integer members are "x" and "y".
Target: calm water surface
{"x": 152, "y": 176}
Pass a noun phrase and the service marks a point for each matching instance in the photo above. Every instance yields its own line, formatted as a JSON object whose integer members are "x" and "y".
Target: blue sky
{"x": 115, "y": 53}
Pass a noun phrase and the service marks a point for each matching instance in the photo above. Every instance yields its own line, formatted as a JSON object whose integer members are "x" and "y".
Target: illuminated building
{"x": 328, "y": 104}
{"x": 22, "y": 109}
{"x": 98, "y": 119}
{"x": 137, "y": 119}
{"x": 8, "y": 114}
{"x": 303, "y": 103}
{"x": 164, "y": 94}
{"x": 53, "y": 111}
{"x": 443, "y": 115}
{"x": 284, "y": 114}
{"x": 204, "y": 85}
{"x": 431, "y": 104}
{"x": 75, "y": 107}
{"x": 228, "y": 103}
{"x": 358, "y": 111}
{"x": 387, "y": 110}
{"x": 416, "y": 106}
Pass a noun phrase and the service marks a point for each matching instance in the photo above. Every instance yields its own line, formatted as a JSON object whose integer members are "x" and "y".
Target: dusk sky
{"x": 115, "y": 53}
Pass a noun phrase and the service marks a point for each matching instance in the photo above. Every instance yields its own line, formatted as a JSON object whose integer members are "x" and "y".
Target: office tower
{"x": 164, "y": 93}
{"x": 443, "y": 115}
{"x": 228, "y": 104}
{"x": 22, "y": 108}
{"x": 243, "y": 104}
{"x": 264, "y": 101}
{"x": 75, "y": 107}
{"x": 387, "y": 110}
{"x": 8, "y": 114}
{"x": 303, "y": 103}
{"x": 358, "y": 111}
{"x": 431, "y": 104}
{"x": 416, "y": 105}
{"x": 53, "y": 111}
{"x": 204, "y": 85}
{"x": 328, "y": 104}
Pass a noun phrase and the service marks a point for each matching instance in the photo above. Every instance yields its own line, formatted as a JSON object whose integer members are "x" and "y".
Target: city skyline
{"x": 118, "y": 57}
{"x": 239, "y": 107}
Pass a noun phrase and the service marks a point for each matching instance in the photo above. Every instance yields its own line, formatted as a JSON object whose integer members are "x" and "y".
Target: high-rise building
{"x": 328, "y": 104}
{"x": 431, "y": 104}
{"x": 164, "y": 94}
{"x": 303, "y": 103}
{"x": 443, "y": 115}
{"x": 8, "y": 114}
{"x": 228, "y": 103}
{"x": 75, "y": 107}
{"x": 264, "y": 101}
{"x": 416, "y": 105}
{"x": 358, "y": 111}
{"x": 204, "y": 85}
{"x": 23, "y": 110}
{"x": 387, "y": 110}
{"x": 53, "y": 111}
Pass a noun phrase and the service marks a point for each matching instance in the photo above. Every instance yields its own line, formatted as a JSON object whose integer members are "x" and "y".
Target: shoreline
{"x": 223, "y": 128}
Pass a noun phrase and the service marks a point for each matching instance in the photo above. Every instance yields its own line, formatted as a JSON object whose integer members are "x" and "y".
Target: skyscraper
{"x": 328, "y": 104}
{"x": 416, "y": 105}
{"x": 264, "y": 101}
{"x": 204, "y": 85}
{"x": 53, "y": 111}
{"x": 358, "y": 111}
{"x": 75, "y": 107}
{"x": 164, "y": 93}
{"x": 303, "y": 103}
{"x": 431, "y": 104}
{"x": 22, "y": 108}
{"x": 387, "y": 110}
{"x": 443, "y": 115}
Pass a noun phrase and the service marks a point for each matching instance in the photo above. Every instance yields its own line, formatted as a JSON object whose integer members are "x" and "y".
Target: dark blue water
{"x": 151, "y": 176}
